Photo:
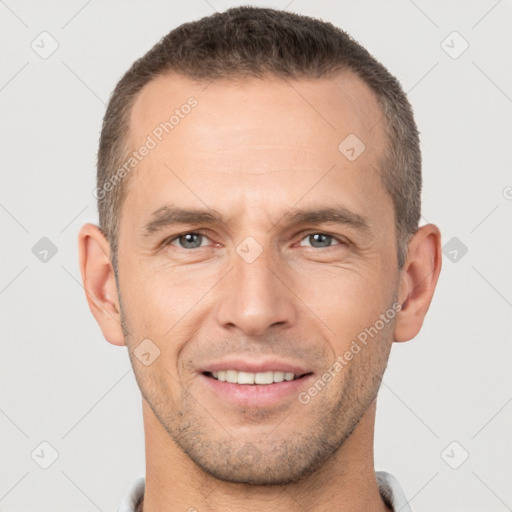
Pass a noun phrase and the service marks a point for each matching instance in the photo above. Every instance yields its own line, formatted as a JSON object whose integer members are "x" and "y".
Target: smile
{"x": 263, "y": 378}
{"x": 254, "y": 389}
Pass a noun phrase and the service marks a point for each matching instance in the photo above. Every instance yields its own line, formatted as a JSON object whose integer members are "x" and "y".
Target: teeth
{"x": 245, "y": 378}
{"x": 236, "y": 377}
{"x": 264, "y": 378}
{"x": 279, "y": 376}
{"x": 232, "y": 376}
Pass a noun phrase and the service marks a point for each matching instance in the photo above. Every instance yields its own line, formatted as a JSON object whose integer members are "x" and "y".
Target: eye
{"x": 188, "y": 240}
{"x": 321, "y": 240}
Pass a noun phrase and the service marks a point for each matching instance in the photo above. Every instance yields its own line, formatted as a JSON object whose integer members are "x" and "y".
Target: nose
{"x": 255, "y": 297}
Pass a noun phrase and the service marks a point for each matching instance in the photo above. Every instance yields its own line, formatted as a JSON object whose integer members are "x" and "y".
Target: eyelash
{"x": 341, "y": 240}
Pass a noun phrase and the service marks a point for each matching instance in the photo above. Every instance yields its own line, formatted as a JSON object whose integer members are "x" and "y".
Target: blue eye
{"x": 195, "y": 240}
{"x": 189, "y": 240}
{"x": 320, "y": 240}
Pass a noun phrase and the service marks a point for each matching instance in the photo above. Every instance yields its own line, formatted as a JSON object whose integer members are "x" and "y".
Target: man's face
{"x": 261, "y": 290}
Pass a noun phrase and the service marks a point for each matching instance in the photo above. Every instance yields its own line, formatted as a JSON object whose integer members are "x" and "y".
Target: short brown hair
{"x": 254, "y": 42}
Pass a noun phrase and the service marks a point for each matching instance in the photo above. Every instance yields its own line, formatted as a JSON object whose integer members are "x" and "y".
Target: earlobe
{"x": 418, "y": 281}
{"x": 99, "y": 282}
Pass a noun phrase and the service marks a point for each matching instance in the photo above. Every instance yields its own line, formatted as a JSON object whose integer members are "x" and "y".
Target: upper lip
{"x": 255, "y": 366}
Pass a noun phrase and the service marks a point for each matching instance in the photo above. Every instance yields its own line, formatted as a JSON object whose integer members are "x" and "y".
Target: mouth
{"x": 266, "y": 382}
{"x": 252, "y": 379}
{"x": 255, "y": 389}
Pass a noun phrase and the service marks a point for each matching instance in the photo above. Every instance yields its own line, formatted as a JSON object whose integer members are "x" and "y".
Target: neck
{"x": 346, "y": 482}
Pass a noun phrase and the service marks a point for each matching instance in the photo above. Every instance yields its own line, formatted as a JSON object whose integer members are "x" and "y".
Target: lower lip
{"x": 256, "y": 395}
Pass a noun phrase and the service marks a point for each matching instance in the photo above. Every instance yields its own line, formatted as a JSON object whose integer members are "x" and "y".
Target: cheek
{"x": 163, "y": 305}
{"x": 345, "y": 300}
{"x": 159, "y": 296}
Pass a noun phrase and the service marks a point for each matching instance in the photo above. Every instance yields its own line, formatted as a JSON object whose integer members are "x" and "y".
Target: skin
{"x": 254, "y": 151}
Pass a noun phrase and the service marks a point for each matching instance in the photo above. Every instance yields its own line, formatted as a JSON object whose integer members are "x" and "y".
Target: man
{"x": 259, "y": 181}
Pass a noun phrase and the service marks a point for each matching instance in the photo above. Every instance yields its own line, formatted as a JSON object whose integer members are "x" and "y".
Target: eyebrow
{"x": 336, "y": 215}
{"x": 168, "y": 216}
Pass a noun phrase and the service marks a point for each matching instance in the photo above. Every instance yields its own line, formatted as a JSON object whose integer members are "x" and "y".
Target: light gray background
{"x": 62, "y": 383}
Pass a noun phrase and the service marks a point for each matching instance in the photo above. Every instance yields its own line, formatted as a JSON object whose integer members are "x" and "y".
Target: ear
{"x": 418, "y": 280}
{"x": 99, "y": 282}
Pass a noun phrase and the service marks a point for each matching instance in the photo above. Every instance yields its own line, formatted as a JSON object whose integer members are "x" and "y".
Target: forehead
{"x": 338, "y": 104}
{"x": 240, "y": 139}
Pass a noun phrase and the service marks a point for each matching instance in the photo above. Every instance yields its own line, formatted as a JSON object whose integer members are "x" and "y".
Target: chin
{"x": 283, "y": 463}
